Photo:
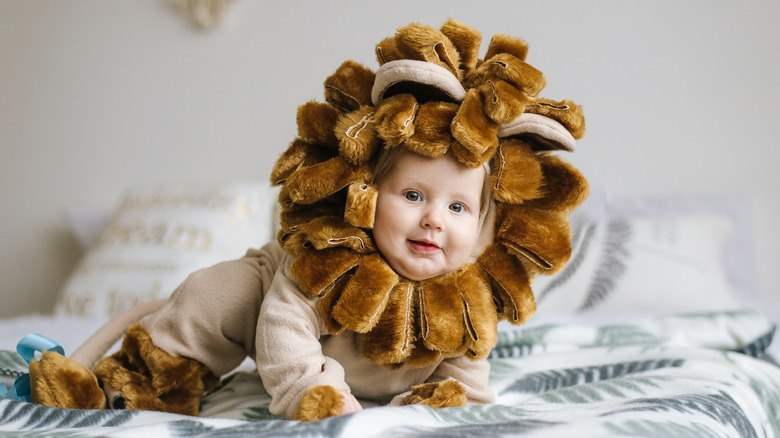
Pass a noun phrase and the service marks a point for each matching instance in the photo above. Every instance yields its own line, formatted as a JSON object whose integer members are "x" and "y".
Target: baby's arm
{"x": 289, "y": 356}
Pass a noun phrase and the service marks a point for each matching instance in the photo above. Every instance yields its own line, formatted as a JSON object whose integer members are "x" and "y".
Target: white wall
{"x": 96, "y": 96}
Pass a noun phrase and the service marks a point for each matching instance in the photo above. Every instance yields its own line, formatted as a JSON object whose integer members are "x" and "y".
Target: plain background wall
{"x": 96, "y": 96}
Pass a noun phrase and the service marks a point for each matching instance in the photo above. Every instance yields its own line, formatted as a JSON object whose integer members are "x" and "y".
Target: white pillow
{"x": 159, "y": 235}
{"x": 647, "y": 265}
{"x": 738, "y": 262}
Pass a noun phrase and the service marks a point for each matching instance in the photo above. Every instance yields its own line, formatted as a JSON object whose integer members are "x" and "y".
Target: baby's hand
{"x": 350, "y": 403}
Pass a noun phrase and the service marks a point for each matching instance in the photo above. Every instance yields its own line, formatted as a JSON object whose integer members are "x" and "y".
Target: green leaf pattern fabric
{"x": 683, "y": 375}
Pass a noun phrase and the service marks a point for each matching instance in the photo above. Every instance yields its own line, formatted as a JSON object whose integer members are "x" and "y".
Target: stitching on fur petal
{"x": 355, "y": 129}
{"x": 410, "y": 119}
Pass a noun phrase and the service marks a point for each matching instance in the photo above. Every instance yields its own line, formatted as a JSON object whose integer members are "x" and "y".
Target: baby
{"x": 418, "y": 203}
{"x": 428, "y": 218}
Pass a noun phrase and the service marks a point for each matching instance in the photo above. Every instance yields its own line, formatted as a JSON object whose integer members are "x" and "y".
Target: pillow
{"x": 737, "y": 209}
{"x": 158, "y": 236}
{"x": 643, "y": 265}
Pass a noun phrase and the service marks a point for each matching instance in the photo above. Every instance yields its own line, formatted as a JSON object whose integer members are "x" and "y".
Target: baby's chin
{"x": 421, "y": 274}
{"x": 420, "y": 267}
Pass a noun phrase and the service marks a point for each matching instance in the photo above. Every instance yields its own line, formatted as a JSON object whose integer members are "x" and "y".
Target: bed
{"x": 651, "y": 330}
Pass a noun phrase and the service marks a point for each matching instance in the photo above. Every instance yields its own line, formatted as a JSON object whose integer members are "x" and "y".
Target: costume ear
{"x": 426, "y": 81}
{"x": 542, "y": 132}
{"x": 349, "y": 87}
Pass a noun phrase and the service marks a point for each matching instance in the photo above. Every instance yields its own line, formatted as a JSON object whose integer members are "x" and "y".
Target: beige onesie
{"x": 251, "y": 307}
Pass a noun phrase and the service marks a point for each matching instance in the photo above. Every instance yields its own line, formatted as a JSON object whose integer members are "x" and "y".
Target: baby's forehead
{"x": 443, "y": 172}
{"x": 403, "y": 158}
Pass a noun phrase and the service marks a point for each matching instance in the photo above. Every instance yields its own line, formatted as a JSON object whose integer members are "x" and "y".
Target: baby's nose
{"x": 433, "y": 219}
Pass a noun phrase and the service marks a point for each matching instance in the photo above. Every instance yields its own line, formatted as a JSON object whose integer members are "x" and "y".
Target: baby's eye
{"x": 412, "y": 196}
{"x": 457, "y": 207}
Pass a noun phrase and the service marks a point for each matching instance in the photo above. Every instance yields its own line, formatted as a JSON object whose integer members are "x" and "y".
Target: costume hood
{"x": 432, "y": 93}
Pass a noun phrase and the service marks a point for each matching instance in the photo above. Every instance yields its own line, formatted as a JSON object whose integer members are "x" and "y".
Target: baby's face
{"x": 427, "y": 215}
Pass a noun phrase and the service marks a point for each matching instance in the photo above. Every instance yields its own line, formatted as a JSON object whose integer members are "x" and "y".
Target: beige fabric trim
{"x": 551, "y": 132}
{"x": 421, "y": 72}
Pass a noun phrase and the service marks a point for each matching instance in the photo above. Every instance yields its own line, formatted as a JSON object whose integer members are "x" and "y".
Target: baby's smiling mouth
{"x": 423, "y": 246}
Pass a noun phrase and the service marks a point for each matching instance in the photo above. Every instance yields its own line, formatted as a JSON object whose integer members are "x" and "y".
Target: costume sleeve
{"x": 289, "y": 354}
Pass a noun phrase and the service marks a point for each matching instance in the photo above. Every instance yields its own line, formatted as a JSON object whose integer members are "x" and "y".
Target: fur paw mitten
{"x": 60, "y": 382}
{"x": 141, "y": 376}
{"x": 319, "y": 402}
{"x": 446, "y": 394}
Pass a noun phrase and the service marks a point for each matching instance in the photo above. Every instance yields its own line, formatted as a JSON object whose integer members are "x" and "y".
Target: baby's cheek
{"x": 469, "y": 241}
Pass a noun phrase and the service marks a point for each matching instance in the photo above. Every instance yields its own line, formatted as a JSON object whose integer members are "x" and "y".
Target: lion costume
{"x": 431, "y": 94}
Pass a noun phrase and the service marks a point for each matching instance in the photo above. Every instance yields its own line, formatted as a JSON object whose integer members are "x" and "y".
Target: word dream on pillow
{"x": 647, "y": 265}
{"x": 158, "y": 236}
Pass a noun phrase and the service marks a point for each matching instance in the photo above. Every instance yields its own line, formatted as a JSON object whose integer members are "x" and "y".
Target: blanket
{"x": 682, "y": 375}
